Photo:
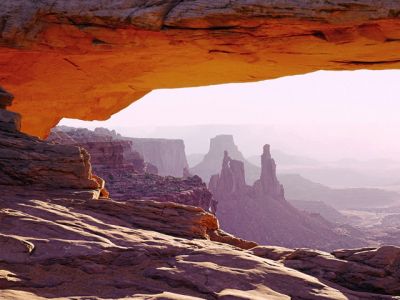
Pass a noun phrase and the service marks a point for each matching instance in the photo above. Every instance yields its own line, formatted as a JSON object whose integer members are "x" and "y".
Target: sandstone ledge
{"x": 66, "y": 248}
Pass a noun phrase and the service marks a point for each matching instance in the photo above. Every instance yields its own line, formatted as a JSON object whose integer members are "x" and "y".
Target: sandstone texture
{"x": 90, "y": 59}
{"x": 57, "y": 242}
{"x": 29, "y": 163}
{"x": 261, "y": 213}
{"x": 108, "y": 151}
{"x": 64, "y": 248}
{"x": 366, "y": 269}
{"x": 127, "y": 176}
{"x": 168, "y": 155}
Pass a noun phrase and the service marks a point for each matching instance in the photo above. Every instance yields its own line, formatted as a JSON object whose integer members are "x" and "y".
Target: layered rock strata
{"x": 65, "y": 248}
{"x": 126, "y": 174}
{"x": 60, "y": 57}
{"x": 261, "y": 213}
{"x": 375, "y": 270}
{"x": 27, "y": 162}
{"x": 168, "y": 155}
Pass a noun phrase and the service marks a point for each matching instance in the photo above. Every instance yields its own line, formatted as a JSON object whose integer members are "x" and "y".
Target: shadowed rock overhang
{"x": 90, "y": 59}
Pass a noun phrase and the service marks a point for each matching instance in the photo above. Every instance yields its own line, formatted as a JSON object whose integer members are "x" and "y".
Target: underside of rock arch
{"x": 90, "y": 59}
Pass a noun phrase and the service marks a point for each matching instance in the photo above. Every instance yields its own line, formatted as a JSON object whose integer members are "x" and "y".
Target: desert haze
{"x": 199, "y": 149}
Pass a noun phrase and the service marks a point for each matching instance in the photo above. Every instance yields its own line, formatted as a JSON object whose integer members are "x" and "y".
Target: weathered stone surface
{"x": 102, "y": 249}
{"x": 260, "y": 212}
{"x": 367, "y": 269}
{"x": 59, "y": 57}
{"x": 9, "y": 120}
{"x": 126, "y": 174}
{"x": 27, "y": 162}
{"x": 108, "y": 151}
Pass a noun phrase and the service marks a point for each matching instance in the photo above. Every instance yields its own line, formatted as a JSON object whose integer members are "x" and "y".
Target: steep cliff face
{"x": 59, "y": 57}
{"x": 108, "y": 151}
{"x": 166, "y": 154}
{"x": 261, "y": 213}
{"x": 126, "y": 174}
{"x": 28, "y": 164}
{"x": 268, "y": 183}
{"x": 212, "y": 160}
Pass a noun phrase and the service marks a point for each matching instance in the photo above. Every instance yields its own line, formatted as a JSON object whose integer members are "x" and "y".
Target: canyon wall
{"x": 128, "y": 176}
{"x": 212, "y": 160}
{"x": 167, "y": 155}
{"x": 90, "y": 59}
{"x": 260, "y": 212}
{"x": 57, "y": 242}
{"x": 29, "y": 165}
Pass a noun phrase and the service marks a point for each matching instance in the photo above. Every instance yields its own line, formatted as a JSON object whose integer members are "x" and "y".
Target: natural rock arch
{"x": 90, "y": 60}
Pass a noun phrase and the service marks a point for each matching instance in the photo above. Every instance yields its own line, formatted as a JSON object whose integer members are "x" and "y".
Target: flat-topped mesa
{"x": 28, "y": 164}
{"x": 268, "y": 183}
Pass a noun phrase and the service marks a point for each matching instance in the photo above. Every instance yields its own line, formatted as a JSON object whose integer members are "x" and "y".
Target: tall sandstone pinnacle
{"x": 268, "y": 183}
{"x": 260, "y": 212}
{"x": 90, "y": 59}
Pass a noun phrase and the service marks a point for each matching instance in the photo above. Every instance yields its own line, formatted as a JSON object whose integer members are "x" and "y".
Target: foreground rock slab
{"x": 68, "y": 248}
{"x": 28, "y": 163}
{"x": 365, "y": 269}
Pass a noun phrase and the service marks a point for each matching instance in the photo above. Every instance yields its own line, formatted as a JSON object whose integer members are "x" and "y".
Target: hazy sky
{"x": 331, "y": 115}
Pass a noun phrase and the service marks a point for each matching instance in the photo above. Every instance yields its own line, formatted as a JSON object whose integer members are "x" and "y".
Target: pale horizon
{"x": 323, "y": 115}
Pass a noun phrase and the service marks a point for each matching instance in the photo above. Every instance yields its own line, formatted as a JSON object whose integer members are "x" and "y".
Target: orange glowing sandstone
{"x": 65, "y": 64}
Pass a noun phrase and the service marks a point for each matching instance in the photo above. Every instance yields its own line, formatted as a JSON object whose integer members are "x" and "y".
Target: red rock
{"x": 260, "y": 212}
{"x": 27, "y": 162}
{"x": 66, "y": 248}
{"x": 366, "y": 269}
{"x": 127, "y": 176}
{"x": 58, "y": 56}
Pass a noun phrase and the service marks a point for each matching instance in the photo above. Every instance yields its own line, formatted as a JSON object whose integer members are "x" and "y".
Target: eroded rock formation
{"x": 365, "y": 269}
{"x": 108, "y": 151}
{"x": 29, "y": 163}
{"x": 261, "y": 213}
{"x": 66, "y": 248}
{"x": 60, "y": 57}
{"x": 126, "y": 174}
{"x": 211, "y": 162}
{"x": 57, "y": 244}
